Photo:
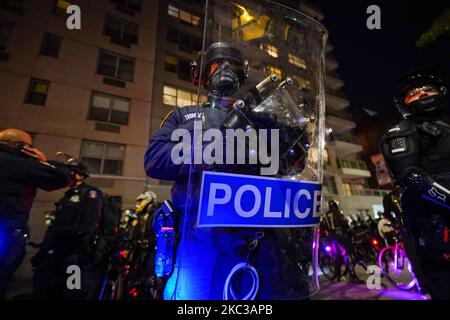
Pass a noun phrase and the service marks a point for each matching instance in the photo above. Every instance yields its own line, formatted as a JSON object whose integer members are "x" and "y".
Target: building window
{"x": 14, "y": 6}
{"x": 50, "y": 45}
{"x": 109, "y": 108}
{"x": 120, "y": 31}
{"x": 179, "y": 66}
{"x": 304, "y": 84}
{"x": 184, "y": 41}
{"x": 103, "y": 158}
{"x": 271, "y": 50}
{"x": 183, "y": 16}
{"x": 37, "y": 92}
{"x": 61, "y": 7}
{"x": 330, "y": 185}
{"x": 113, "y": 65}
{"x": 180, "y": 98}
{"x": 171, "y": 63}
{"x": 272, "y": 69}
{"x": 129, "y": 6}
{"x": 6, "y": 29}
{"x": 296, "y": 61}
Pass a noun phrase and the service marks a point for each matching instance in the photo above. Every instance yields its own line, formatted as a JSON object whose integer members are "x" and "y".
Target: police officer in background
{"x": 70, "y": 240}
{"x": 23, "y": 169}
{"x": 417, "y": 151}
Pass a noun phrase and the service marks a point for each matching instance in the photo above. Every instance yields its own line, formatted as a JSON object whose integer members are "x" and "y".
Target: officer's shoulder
{"x": 403, "y": 127}
{"x": 92, "y": 191}
{"x": 178, "y": 113}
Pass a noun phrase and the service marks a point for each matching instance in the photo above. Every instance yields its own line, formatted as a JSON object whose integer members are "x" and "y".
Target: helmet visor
{"x": 417, "y": 93}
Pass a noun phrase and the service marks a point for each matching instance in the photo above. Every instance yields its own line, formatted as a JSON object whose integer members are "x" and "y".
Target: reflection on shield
{"x": 283, "y": 97}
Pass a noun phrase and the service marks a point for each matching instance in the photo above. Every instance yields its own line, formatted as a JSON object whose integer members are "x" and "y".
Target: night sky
{"x": 372, "y": 61}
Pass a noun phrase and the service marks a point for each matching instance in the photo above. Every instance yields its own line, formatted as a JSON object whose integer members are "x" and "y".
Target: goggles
{"x": 415, "y": 92}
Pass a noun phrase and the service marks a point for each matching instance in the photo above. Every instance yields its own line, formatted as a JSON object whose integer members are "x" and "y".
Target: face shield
{"x": 250, "y": 226}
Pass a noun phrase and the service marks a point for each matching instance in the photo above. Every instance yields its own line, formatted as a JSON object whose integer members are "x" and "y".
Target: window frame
{"x": 11, "y": 27}
{"x": 193, "y": 98}
{"x": 104, "y": 152}
{"x": 123, "y": 25}
{"x": 118, "y": 58}
{"x": 110, "y": 109}
{"x": 34, "y": 81}
{"x": 46, "y": 36}
{"x": 124, "y": 5}
{"x": 173, "y": 11}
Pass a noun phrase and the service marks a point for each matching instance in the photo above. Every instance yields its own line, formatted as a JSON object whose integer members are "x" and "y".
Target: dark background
{"x": 372, "y": 61}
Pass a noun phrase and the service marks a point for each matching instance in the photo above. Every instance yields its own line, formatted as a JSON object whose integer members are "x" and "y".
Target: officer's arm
{"x": 49, "y": 176}
{"x": 158, "y": 160}
{"x": 91, "y": 211}
{"x": 401, "y": 149}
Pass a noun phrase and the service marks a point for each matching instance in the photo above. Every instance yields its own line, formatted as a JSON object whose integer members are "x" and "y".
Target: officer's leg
{"x": 438, "y": 280}
{"x": 11, "y": 257}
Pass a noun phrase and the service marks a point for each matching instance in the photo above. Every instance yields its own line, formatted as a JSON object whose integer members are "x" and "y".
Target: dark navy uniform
{"x": 424, "y": 145}
{"x": 70, "y": 240}
{"x": 20, "y": 176}
{"x": 158, "y": 162}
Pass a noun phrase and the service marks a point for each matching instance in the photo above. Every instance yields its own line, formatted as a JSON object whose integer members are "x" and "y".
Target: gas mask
{"x": 224, "y": 78}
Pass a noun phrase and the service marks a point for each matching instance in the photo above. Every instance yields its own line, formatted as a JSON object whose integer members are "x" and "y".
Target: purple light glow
{"x": 328, "y": 249}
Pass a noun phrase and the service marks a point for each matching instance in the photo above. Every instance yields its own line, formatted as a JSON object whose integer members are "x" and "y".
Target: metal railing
{"x": 340, "y": 114}
{"x": 351, "y": 164}
{"x": 369, "y": 192}
{"x": 343, "y": 138}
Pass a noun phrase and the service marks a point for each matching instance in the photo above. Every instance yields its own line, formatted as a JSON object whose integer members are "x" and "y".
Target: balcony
{"x": 333, "y": 83}
{"x": 331, "y": 64}
{"x": 339, "y": 124}
{"x": 344, "y": 145}
{"x": 352, "y": 169}
{"x": 336, "y": 100}
{"x": 369, "y": 192}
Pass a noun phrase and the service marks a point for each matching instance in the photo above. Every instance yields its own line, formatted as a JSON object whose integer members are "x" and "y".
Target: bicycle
{"x": 396, "y": 267}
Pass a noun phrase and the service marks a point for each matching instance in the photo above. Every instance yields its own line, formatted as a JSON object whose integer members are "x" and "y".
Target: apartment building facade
{"x": 86, "y": 92}
{"x": 179, "y": 40}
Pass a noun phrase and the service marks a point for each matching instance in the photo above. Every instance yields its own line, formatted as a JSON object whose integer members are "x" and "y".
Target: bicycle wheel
{"x": 399, "y": 273}
{"x": 329, "y": 265}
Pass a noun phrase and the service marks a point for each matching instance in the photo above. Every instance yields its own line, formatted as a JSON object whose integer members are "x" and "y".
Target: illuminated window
{"x": 271, "y": 50}
{"x": 179, "y": 66}
{"x": 183, "y": 16}
{"x": 272, "y": 69}
{"x": 295, "y": 60}
{"x": 37, "y": 92}
{"x": 109, "y": 108}
{"x": 180, "y": 98}
{"x": 103, "y": 158}
{"x": 171, "y": 63}
{"x": 305, "y": 84}
{"x": 61, "y": 7}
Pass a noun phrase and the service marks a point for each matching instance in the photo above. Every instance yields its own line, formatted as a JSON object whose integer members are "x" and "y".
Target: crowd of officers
{"x": 78, "y": 223}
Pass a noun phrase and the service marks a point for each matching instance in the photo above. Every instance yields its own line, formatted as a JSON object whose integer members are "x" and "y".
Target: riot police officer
{"x": 70, "y": 241}
{"x": 23, "y": 169}
{"x": 417, "y": 151}
{"x": 214, "y": 252}
{"x": 224, "y": 70}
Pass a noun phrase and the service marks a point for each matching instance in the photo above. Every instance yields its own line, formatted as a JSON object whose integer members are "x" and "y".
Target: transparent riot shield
{"x": 250, "y": 226}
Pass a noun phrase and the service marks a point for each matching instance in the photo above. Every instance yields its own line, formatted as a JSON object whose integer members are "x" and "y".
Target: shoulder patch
{"x": 165, "y": 119}
{"x": 93, "y": 194}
